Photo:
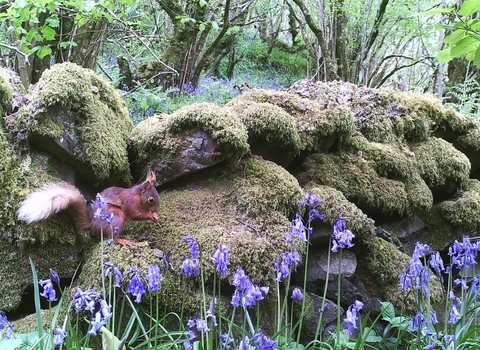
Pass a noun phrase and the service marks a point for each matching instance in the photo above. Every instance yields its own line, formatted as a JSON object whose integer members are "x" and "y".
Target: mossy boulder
{"x": 190, "y": 139}
{"x": 18, "y": 242}
{"x": 6, "y": 95}
{"x": 76, "y": 116}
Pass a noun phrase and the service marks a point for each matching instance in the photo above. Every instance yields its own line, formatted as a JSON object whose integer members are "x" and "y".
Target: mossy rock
{"x": 335, "y": 205}
{"x": 76, "y": 116}
{"x": 19, "y": 242}
{"x": 159, "y": 142}
{"x": 272, "y": 132}
{"x": 320, "y": 126}
{"x": 462, "y": 210}
{"x": 247, "y": 207}
{"x": 6, "y": 95}
{"x": 441, "y": 164}
{"x": 386, "y": 264}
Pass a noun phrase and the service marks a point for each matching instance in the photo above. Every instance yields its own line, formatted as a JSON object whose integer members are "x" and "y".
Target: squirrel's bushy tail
{"x": 50, "y": 200}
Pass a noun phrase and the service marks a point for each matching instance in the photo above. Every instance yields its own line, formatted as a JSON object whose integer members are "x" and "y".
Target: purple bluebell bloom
{"x": 417, "y": 322}
{"x": 85, "y": 300}
{"x": 48, "y": 290}
{"x": 135, "y": 286}
{"x": 225, "y": 341}
{"x": 454, "y": 315}
{"x": 220, "y": 258}
{"x": 194, "y": 247}
{"x": 352, "y": 316}
{"x": 190, "y": 267}
{"x": 112, "y": 268}
{"x": 263, "y": 342}
{"x": 341, "y": 236}
{"x": 285, "y": 263}
{"x": 240, "y": 279}
{"x": 310, "y": 199}
{"x": 54, "y": 276}
{"x": 154, "y": 278}
{"x": 297, "y": 229}
{"x": 59, "y": 334}
{"x": 6, "y": 331}
{"x": 297, "y": 294}
{"x": 246, "y": 293}
{"x": 464, "y": 254}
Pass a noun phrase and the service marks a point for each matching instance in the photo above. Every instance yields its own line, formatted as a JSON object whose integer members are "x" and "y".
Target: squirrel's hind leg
{"x": 125, "y": 243}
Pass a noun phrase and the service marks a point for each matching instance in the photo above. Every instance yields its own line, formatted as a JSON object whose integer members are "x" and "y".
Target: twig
{"x": 25, "y": 56}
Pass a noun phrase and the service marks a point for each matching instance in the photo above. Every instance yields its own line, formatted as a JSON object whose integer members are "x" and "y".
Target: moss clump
{"x": 162, "y": 139}
{"x": 386, "y": 263}
{"x": 225, "y": 128}
{"x": 320, "y": 126}
{"x": 19, "y": 242}
{"x": 74, "y": 110}
{"x": 268, "y": 126}
{"x": 440, "y": 163}
{"x": 265, "y": 187}
{"x": 6, "y": 95}
{"x": 462, "y": 211}
{"x": 335, "y": 205}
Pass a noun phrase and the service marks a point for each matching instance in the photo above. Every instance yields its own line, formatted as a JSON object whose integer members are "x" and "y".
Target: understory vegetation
{"x": 79, "y": 318}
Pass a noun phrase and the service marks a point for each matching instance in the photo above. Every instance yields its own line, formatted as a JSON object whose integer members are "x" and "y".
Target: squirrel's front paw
{"x": 155, "y": 217}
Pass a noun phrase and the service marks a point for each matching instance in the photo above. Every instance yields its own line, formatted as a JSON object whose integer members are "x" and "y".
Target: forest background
{"x": 164, "y": 54}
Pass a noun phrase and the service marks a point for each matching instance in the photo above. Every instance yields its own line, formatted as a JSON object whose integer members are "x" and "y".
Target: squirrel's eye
{"x": 150, "y": 200}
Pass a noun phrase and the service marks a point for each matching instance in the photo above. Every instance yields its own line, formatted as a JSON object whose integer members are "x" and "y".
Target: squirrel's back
{"x": 49, "y": 200}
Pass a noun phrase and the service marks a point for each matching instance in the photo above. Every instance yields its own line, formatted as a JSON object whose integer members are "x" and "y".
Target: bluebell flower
{"x": 153, "y": 278}
{"x": 191, "y": 267}
{"x": 297, "y": 294}
{"x": 416, "y": 275}
{"x": 436, "y": 262}
{"x": 454, "y": 315}
{"x": 285, "y": 263}
{"x": 59, "y": 334}
{"x": 352, "y": 316}
{"x": 245, "y": 344}
{"x": 463, "y": 254}
{"x": 240, "y": 279}
{"x": 225, "y": 341}
{"x": 210, "y": 313}
{"x": 341, "y": 236}
{"x": 455, "y": 298}
{"x": 202, "y": 325}
{"x": 462, "y": 282}
{"x": 112, "y": 268}
{"x": 417, "y": 322}
{"x": 85, "y": 300}
{"x": 310, "y": 199}
{"x": 220, "y": 258}
{"x": 6, "y": 331}
{"x": 96, "y": 322}
{"x": 105, "y": 309}
{"x": 253, "y": 294}
{"x": 54, "y": 276}
{"x": 48, "y": 290}
{"x": 194, "y": 247}
{"x": 264, "y": 342}
{"x": 135, "y": 286}
{"x": 433, "y": 317}
{"x": 314, "y": 214}
{"x": 297, "y": 229}
{"x": 448, "y": 338}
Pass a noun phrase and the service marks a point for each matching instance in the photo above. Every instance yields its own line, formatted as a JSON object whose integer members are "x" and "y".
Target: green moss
{"x": 6, "y": 94}
{"x": 266, "y": 187}
{"x": 386, "y": 263}
{"x": 270, "y": 124}
{"x": 356, "y": 178}
{"x": 318, "y": 125}
{"x": 73, "y": 109}
{"x": 161, "y": 139}
{"x": 462, "y": 211}
{"x": 225, "y": 128}
{"x": 440, "y": 163}
{"x": 335, "y": 205}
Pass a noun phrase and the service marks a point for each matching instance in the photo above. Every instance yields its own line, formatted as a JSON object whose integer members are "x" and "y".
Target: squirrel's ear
{"x": 151, "y": 179}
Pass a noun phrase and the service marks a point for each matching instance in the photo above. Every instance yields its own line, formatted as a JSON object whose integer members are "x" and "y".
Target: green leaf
{"x": 476, "y": 59}
{"x": 48, "y": 33}
{"x": 201, "y": 27}
{"x": 444, "y": 56}
{"x": 463, "y": 47}
{"x": 469, "y": 7}
{"x": 215, "y": 25}
{"x": 53, "y": 22}
{"x": 10, "y": 344}
{"x": 436, "y": 11}
{"x": 44, "y": 51}
{"x": 456, "y": 36}
{"x": 388, "y": 311}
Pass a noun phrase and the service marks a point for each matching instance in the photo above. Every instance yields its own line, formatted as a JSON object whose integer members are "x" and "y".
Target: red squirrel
{"x": 108, "y": 213}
